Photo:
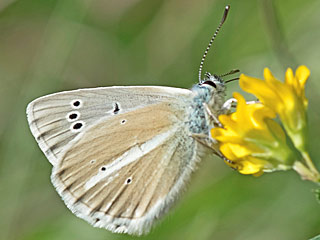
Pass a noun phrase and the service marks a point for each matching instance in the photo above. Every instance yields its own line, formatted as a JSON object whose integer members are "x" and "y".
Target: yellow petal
{"x": 227, "y": 151}
{"x": 289, "y": 77}
{"x": 241, "y": 110}
{"x": 227, "y": 120}
{"x": 252, "y": 85}
{"x": 239, "y": 151}
{"x": 302, "y": 75}
{"x": 259, "y": 88}
{"x": 292, "y": 83}
{"x": 224, "y": 135}
{"x": 248, "y": 167}
{"x": 284, "y": 97}
{"x": 259, "y": 114}
{"x": 270, "y": 79}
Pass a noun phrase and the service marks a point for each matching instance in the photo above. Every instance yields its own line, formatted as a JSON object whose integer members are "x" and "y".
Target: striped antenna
{"x": 225, "y": 14}
{"x": 233, "y": 71}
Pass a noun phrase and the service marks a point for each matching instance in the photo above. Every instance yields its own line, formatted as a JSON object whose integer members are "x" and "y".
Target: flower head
{"x": 285, "y": 99}
{"x": 251, "y": 140}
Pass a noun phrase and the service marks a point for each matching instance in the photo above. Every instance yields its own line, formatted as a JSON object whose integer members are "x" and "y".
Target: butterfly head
{"x": 211, "y": 90}
{"x": 215, "y": 82}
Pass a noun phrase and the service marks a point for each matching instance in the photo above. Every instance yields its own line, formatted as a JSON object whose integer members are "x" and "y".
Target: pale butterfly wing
{"x": 56, "y": 119}
{"x": 126, "y": 170}
{"x": 121, "y": 155}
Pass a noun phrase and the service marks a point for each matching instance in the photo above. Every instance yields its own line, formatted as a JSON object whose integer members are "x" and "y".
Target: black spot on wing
{"x": 76, "y": 103}
{"x": 73, "y": 116}
{"x": 77, "y": 126}
{"x": 116, "y": 108}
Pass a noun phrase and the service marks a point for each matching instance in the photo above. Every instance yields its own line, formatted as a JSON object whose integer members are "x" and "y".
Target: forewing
{"x": 126, "y": 171}
{"x": 57, "y": 119}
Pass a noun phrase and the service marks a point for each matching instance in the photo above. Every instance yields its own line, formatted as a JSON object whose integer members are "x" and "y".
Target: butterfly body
{"x": 210, "y": 93}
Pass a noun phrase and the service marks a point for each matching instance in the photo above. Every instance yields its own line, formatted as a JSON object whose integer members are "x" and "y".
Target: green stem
{"x": 306, "y": 173}
{"x": 307, "y": 159}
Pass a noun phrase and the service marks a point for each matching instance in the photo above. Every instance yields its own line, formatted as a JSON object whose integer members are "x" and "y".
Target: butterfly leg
{"x": 228, "y": 105}
{"x": 229, "y": 162}
{"x": 212, "y": 145}
{"x": 231, "y": 103}
{"x": 208, "y": 142}
{"x": 213, "y": 118}
{"x": 253, "y": 102}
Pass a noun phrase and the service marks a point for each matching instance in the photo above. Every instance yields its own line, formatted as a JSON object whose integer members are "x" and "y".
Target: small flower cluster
{"x": 254, "y": 141}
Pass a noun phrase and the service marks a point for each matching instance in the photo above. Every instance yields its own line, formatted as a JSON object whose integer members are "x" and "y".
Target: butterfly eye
{"x": 212, "y": 84}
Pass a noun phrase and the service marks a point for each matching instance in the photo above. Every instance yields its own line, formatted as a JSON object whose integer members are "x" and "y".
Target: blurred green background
{"x": 54, "y": 45}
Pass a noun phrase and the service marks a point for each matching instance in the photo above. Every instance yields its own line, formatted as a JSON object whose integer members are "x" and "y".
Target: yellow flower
{"x": 252, "y": 140}
{"x": 286, "y": 99}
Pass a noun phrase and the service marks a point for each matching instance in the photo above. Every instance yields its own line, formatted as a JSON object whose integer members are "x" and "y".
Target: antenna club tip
{"x": 227, "y": 7}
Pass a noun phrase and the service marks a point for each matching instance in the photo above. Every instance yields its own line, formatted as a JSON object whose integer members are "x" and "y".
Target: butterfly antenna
{"x": 225, "y": 14}
{"x": 233, "y": 71}
{"x": 231, "y": 80}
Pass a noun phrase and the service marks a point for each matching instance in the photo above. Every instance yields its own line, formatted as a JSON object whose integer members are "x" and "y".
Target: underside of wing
{"x": 126, "y": 171}
{"x": 57, "y": 119}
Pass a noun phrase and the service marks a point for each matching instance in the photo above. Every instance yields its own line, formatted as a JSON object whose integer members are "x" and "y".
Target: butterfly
{"x": 122, "y": 155}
